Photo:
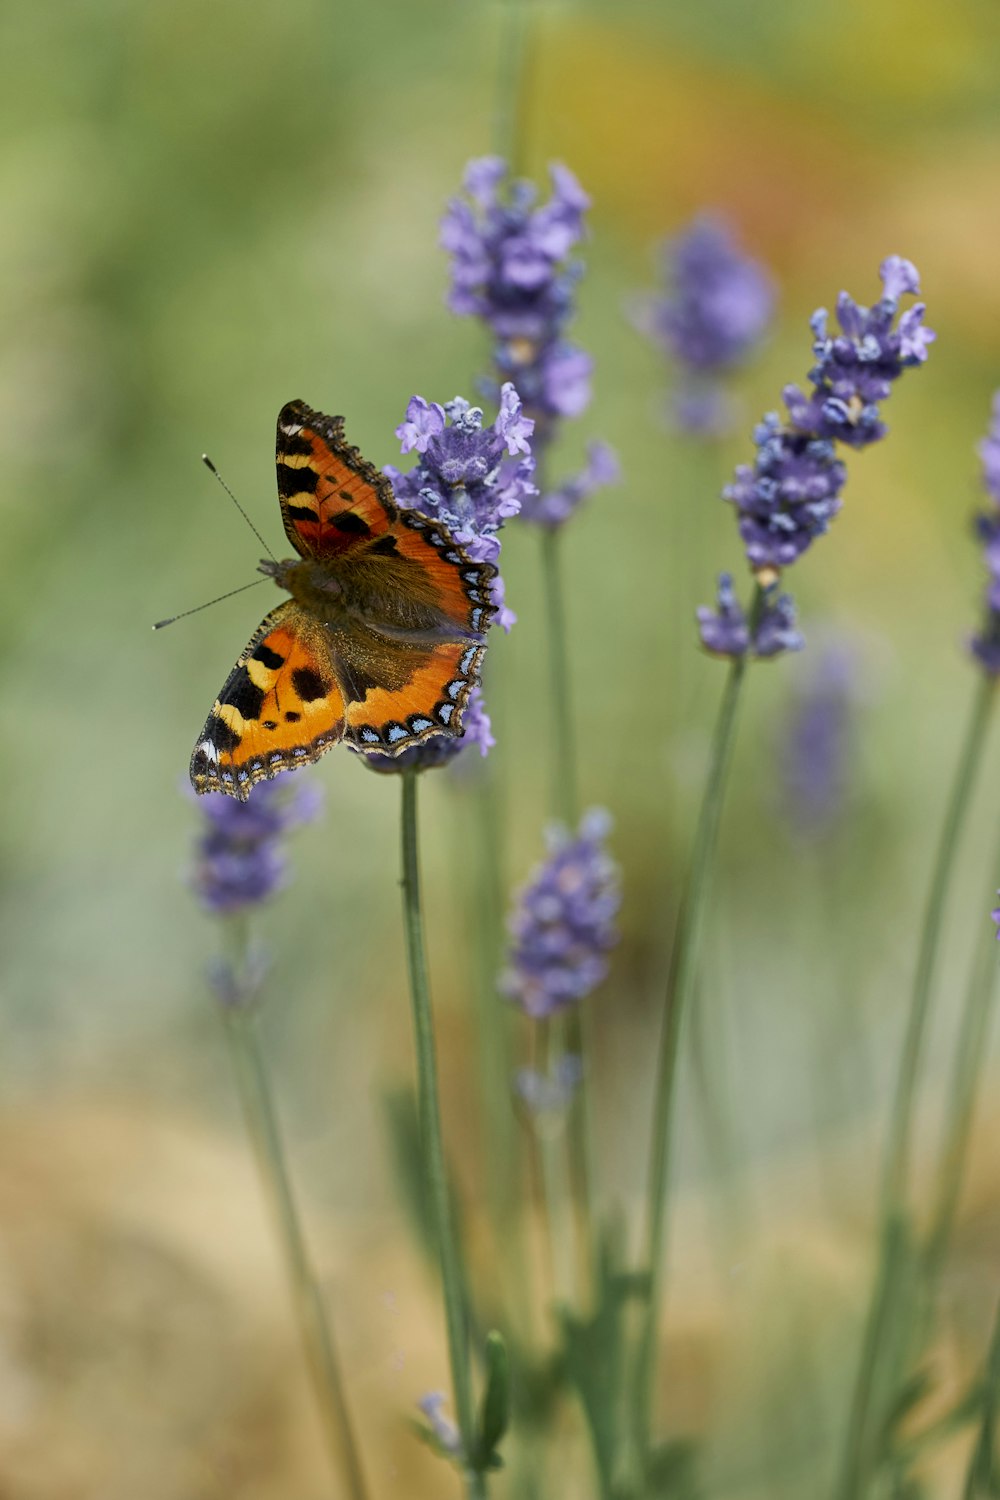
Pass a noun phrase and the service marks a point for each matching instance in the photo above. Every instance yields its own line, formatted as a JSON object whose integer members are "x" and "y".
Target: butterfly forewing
{"x": 332, "y": 499}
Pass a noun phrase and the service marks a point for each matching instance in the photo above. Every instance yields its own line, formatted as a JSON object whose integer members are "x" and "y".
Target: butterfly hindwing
{"x": 430, "y": 702}
{"x": 332, "y": 499}
{"x": 281, "y": 706}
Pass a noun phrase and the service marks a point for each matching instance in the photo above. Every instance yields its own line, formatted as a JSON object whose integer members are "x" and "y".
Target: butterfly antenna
{"x": 208, "y": 603}
{"x": 213, "y": 470}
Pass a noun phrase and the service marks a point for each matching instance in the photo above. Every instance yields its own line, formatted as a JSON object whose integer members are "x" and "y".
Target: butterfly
{"x": 382, "y": 639}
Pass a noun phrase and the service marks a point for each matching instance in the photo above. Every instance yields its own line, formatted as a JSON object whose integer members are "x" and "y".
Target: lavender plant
{"x": 473, "y": 478}
{"x": 892, "y": 1340}
{"x": 715, "y": 312}
{"x": 512, "y": 267}
{"x": 784, "y": 501}
{"x": 240, "y": 863}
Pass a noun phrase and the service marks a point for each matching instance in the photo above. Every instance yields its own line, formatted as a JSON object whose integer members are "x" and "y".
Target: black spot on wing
{"x": 221, "y": 736}
{"x": 268, "y": 658}
{"x": 294, "y": 443}
{"x": 291, "y": 717}
{"x": 308, "y": 684}
{"x": 351, "y": 523}
{"x": 300, "y": 513}
{"x": 385, "y": 546}
{"x": 245, "y": 696}
{"x": 296, "y": 481}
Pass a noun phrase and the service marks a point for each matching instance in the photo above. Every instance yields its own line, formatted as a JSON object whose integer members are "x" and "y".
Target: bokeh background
{"x": 209, "y": 210}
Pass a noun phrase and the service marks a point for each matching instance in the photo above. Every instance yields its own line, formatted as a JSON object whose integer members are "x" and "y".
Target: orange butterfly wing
{"x": 281, "y": 706}
{"x": 332, "y": 499}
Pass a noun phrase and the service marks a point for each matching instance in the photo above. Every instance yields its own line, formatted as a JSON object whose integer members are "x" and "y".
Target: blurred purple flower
{"x": 239, "y": 859}
{"x": 719, "y": 301}
{"x": 718, "y": 306}
{"x": 440, "y": 749}
{"x": 985, "y": 644}
{"x": 471, "y": 477}
{"x": 554, "y": 507}
{"x": 511, "y": 267}
{"x": 564, "y": 921}
{"x": 725, "y": 631}
{"x": 815, "y": 744}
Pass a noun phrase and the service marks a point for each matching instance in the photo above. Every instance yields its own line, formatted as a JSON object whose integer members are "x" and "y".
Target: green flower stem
{"x": 510, "y": 129}
{"x": 566, "y": 807}
{"x": 681, "y": 981}
{"x": 901, "y": 1126}
{"x": 981, "y": 1478}
{"x": 565, "y": 797}
{"x": 970, "y": 1056}
{"x": 430, "y": 1131}
{"x": 317, "y": 1337}
{"x": 883, "y": 1311}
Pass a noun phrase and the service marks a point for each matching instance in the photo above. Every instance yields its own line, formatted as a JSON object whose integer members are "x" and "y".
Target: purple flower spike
{"x": 719, "y": 304}
{"x": 440, "y": 749}
{"x": 856, "y": 368}
{"x": 471, "y": 477}
{"x": 563, "y": 924}
{"x": 995, "y": 914}
{"x": 240, "y": 861}
{"x": 510, "y": 266}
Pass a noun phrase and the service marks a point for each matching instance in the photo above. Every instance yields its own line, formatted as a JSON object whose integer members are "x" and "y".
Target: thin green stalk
{"x": 681, "y": 980}
{"x": 970, "y": 1056}
{"x": 863, "y": 1418}
{"x": 901, "y": 1125}
{"x": 565, "y": 796}
{"x": 981, "y": 1478}
{"x": 317, "y": 1337}
{"x": 510, "y": 129}
{"x": 565, "y": 805}
{"x": 430, "y": 1131}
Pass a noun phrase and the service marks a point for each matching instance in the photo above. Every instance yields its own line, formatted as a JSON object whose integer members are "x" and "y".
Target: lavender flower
{"x": 717, "y": 309}
{"x": 856, "y": 368}
{"x": 511, "y": 267}
{"x": 564, "y": 921}
{"x": 995, "y": 914}
{"x": 814, "y": 749}
{"x": 471, "y": 477}
{"x": 441, "y": 749}
{"x": 240, "y": 861}
{"x": 791, "y": 493}
{"x": 725, "y": 631}
{"x": 985, "y": 644}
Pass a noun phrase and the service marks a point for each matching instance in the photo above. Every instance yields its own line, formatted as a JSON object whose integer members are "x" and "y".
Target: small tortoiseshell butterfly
{"x": 382, "y": 639}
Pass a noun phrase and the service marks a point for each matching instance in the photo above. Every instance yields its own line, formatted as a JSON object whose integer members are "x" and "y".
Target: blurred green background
{"x": 209, "y": 210}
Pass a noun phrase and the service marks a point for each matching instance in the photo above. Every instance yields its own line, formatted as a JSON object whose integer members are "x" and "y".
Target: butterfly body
{"x": 381, "y": 640}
